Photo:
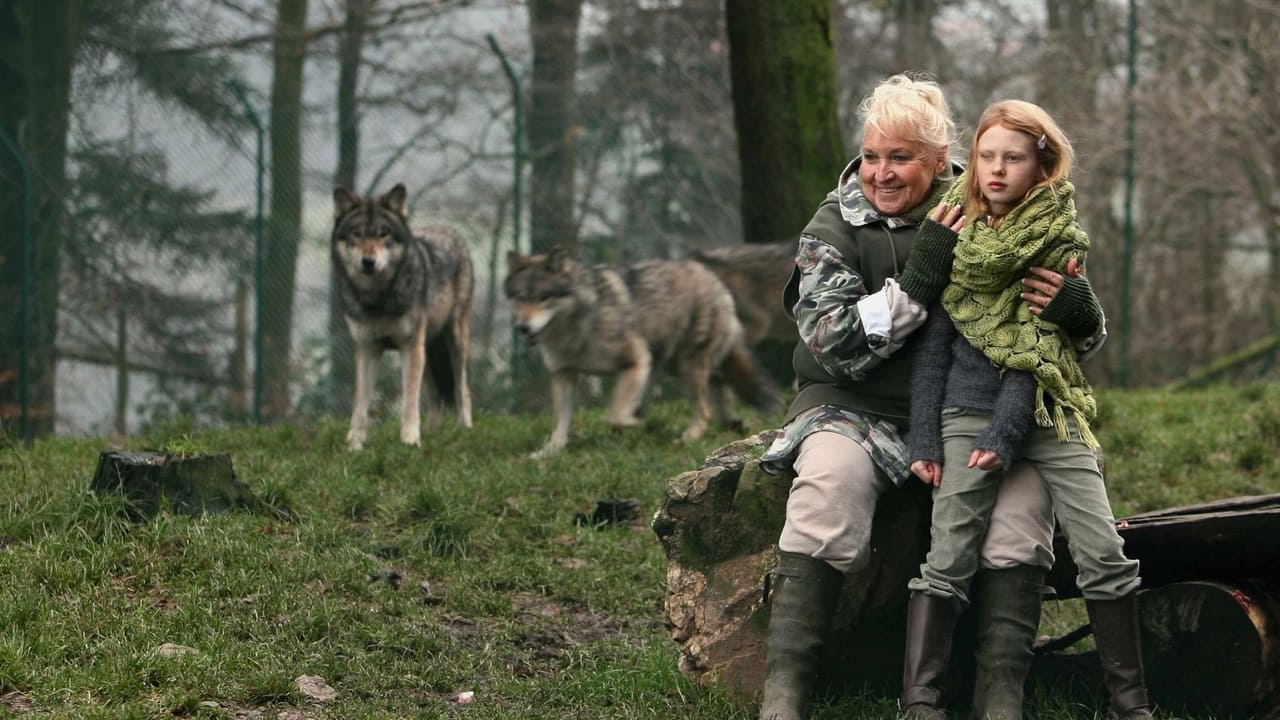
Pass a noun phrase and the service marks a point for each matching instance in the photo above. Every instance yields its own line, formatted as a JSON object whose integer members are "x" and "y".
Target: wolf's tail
{"x": 748, "y": 380}
{"x": 440, "y": 365}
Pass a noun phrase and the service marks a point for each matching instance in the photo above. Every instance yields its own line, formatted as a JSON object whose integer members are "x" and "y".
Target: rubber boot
{"x": 931, "y": 623}
{"x": 1118, "y": 636}
{"x": 1007, "y": 602}
{"x": 804, "y": 603}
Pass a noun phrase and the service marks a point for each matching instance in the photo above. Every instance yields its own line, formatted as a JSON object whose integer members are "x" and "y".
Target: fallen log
{"x": 1210, "y": 574}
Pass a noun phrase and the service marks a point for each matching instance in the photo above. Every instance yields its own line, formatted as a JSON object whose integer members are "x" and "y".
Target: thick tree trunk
{"x": 284, "y": 228}
{"x": 785, "y": 110}
{"x": 553, "y": 128}
{"x": 350, "y": 49}
{"x": 38, "y": 45}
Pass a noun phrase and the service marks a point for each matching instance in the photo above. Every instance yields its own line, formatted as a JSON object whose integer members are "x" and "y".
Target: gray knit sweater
{"x": 948, "y": 372}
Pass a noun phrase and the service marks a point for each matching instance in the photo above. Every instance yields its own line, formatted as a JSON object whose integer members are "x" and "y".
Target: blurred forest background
{"x": 167, "y": 168}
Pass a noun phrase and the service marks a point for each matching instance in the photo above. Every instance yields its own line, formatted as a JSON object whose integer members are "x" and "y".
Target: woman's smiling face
{"x": 896, "y": 174}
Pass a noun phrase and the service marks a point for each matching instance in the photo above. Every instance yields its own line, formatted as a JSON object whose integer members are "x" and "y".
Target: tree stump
{"x": 719, "y": 526}
{"x": 187, "y": 485}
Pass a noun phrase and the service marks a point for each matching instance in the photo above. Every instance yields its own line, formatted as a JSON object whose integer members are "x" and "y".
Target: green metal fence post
{"x": 259, "y": 251}
{"x": 24, "y": 309}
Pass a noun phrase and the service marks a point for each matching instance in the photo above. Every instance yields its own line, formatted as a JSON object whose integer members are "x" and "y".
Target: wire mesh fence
{"x": 157, "y": 302}
{"x": 137, "y": 279}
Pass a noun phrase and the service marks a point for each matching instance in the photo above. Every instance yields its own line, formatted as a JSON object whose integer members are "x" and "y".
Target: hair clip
{"x": 1042, "y": 141}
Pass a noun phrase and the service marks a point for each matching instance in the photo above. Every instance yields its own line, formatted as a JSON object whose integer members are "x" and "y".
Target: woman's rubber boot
{"x": 804, "y": 601}
{"x": 931, "y": 623}
{"x": 1118, "y": 636}
{"x": 1007, "y": 603}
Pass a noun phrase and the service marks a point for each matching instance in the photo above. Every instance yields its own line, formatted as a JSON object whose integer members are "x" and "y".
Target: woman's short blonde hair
{"x": 910, "y": 108}
{"x": 1053, "y": 149}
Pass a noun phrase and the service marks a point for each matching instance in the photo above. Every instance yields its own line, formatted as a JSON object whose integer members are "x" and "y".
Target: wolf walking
{"x": 403, "y": 291}
{"x": 626, "y": 322}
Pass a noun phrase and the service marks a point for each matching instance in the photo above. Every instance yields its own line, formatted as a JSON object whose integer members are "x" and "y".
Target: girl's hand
{"x": 1044, "y": 284}
{"x": 984, "y": 460}
{"x": 929, "y": 472}
{"x": 950, "y": 216}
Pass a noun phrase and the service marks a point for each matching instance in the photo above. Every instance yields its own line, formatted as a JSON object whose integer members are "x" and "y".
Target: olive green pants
{"x": 963, "y": 504}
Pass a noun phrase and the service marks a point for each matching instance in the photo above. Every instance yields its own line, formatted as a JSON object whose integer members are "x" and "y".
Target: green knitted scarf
{"x": 983, "y": 299}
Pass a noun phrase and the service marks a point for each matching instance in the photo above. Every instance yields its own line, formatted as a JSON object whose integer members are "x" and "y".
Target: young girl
{"x": 994, "y": 382}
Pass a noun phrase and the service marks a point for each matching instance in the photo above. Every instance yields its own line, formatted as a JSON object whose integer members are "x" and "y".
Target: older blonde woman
{"x": 862, "y": 281}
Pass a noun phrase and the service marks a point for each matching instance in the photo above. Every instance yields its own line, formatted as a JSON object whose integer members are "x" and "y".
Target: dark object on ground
{"x": 151, "y": 481}
{"x": 1210, "y": 606}
{"x": 610, "y": 511}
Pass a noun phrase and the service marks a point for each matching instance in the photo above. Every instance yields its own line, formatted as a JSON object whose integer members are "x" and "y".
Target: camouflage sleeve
{"x": 1088, "y": 347}
{"x": 827, "y": 313}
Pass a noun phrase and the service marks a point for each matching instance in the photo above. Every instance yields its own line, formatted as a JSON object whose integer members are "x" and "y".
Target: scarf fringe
{"x": 1058, "y": 421}
{"x": 1086, "y": 434}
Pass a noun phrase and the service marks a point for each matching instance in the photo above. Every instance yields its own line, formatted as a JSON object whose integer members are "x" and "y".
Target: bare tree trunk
{"x": 917, "y": 47}
{"x": 553, "y": 129}
{"x": 38, "y": 45}
{"x": 285, "y": 225}
{"x": 122, "y": 370}
{"x": 350, "y": 50}
{"x": 784, "y": 99}
{"x": 238, "y": 398}
{"x": 1069, "y": 69}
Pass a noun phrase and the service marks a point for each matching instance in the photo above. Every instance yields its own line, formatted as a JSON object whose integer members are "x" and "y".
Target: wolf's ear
{"x": 394, "y": 200}
{"x": 515, "y": 260}
{"x": 343, "y": 200}
{"x": 556, "y": 258}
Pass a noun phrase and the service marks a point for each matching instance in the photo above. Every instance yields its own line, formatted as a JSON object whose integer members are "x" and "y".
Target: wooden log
{"x": 719, "y": 526}
{"x": 1231, "y": 540}
{"x": 1210, "y": 610}
{"x": 193, "y": 485}
{"x": 1212, "y": 647}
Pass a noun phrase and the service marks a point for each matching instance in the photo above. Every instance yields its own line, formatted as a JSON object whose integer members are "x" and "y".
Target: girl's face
{"x": 1007, "y": 168}
{"x": 896, "y": 174}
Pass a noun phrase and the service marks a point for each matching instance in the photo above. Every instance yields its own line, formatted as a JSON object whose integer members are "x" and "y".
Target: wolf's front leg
{"x": 413, "y": 362}
{"x": 628, "y": 390}
{"x": 459, "y": 353}
{"x": 562, "y": 385}
{"x": 366, "y": 374}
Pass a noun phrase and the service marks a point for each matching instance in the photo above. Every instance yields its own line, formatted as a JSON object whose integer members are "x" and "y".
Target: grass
{"x": 412, "y": 575}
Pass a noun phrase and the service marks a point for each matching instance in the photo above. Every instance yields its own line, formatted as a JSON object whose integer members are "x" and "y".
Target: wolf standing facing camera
{"x": 662, "y": 314}
{"x": 406, "y": 291}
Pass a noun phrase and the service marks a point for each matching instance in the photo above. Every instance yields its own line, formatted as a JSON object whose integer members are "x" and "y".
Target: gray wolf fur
{"x": 408, "y": 291}
{"x": 626, "y": 322}
{"x": 756, "y": 274}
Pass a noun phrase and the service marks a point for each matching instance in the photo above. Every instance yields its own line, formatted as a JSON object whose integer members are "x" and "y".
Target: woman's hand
{"x": 929, "y": 472}
{"x": 1043, "y": 284}
{"x": 948, "y": 216}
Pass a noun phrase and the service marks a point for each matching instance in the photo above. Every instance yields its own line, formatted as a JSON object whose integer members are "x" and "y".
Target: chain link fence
{"x": 156, "y": 300}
